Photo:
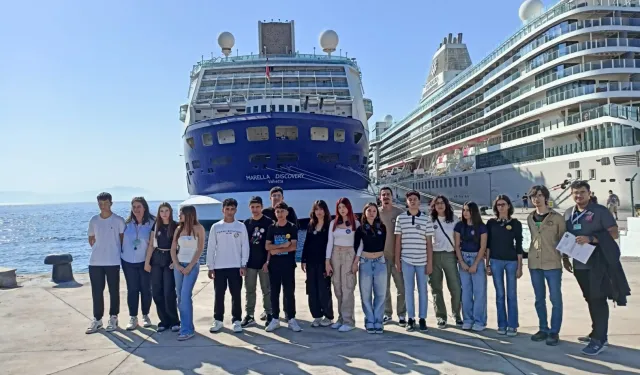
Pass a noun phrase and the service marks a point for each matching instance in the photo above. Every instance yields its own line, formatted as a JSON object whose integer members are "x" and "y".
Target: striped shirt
{"x": 415, "y": 231}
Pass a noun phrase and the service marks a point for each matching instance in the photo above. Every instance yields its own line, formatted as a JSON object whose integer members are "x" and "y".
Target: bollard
{"x": 8, "y": 277}
{"x": 62, "y": 271}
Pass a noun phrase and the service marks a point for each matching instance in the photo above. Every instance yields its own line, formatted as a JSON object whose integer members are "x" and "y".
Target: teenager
{"x": 137, "y": 236}
{"x": 105, "y": 233}
{"x": 414, "y": 257}
{"x": 313, "y": 257}
{"x": 444, "y": 261}
{"x": 388, "y": 215}
{"x": 369, "y": 240}
{"x": 471, "y": 246}
{"x": 545, "y": 263}
{"x": 258, "y": 264}
{"x": 282, "y": 239}
{"x": 339, "y": 257}
{"x": 227, "y": 256}
{"x": 158, "y": 263}
{"x": 189, "y": 237}
{"x": 504, "y": 251}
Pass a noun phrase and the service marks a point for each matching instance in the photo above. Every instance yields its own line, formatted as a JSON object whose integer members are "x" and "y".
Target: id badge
{"x": 577, "y": 226}
{"x": 136, "y": 242}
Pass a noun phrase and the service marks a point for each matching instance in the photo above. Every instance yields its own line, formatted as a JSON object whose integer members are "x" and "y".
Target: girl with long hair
{"x": 313, "y": 256}
{"x": 444, "y": 261}
{"x": 137, "y": 235}
{"x": 186, "y": 249}
{"x": 369, "y": 240}
{"x": 504, "y": 254}
{"x": 339, "y": 256}
{"x": 471, "y": 245}
{"x": 158, "y": 263}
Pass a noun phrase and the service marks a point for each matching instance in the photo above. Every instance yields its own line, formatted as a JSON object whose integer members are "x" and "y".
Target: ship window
{"x": 248, "y": 110}
{"x": 187, "y": 165}
{"x": 190, "y": 142}
{"x": 466, "y": 180}
{"x": 612, "y": 180}
{"x": 289, "y": 133}
{"x": 289, "y": 108}
{"x": 196, "y": 164}
{"x": 255, "y": 109}
{"x": 297, "y": 108}
{"x": 207, "y": 139}
{"x": 319, "y": 134}
{"x": 328, "y": 157}
{"x": 605, "y": 161}
{"x": 263, "y": 108}
{"x": 445, "y": 182}
{"x": 364, "y": 160}
{"x": 574, "y": 164}
{"x": 257, "y": 133}
{"x": 273, "y": 107}
{"x": 357, "y": 136}
{"x": 259, "y": 158}
{"x": 338, "y": 135}
{"x": 281, "y": 108}
{"x": 592, "y": 174}
{"x": 226, "y": 136}
{"x": 603, "y": 180}
{"x": 222, "y": 160}
{"x": 354, "y": 159}
{"x": 579, "y": 174}
{"x": 287, "y": 157}
{"x": 455, "y": 182}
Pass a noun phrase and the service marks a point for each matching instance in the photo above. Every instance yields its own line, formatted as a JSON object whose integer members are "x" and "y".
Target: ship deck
{"x": 43, "y": 333}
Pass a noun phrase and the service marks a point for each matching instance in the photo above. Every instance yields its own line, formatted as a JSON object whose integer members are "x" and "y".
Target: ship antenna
{"x": 329, "y": 41}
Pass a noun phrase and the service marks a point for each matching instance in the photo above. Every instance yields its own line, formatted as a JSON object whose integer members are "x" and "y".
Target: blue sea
{"x": 28, "y": 233}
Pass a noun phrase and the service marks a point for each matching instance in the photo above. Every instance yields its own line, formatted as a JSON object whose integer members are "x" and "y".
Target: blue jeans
{"x": 409, "y": 274}
{"x": 554, "y": 280}
{"x": 373, "y": 279}
{"x": 507, "y": 315}
{"x": 184, "y": 289}
{"x": 474, "y": 292}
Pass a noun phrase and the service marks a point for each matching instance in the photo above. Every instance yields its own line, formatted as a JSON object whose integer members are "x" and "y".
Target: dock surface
{"x": 42, "y": 332}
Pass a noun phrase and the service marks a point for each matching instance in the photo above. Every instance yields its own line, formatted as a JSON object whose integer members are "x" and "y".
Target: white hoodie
{"x": 228, "y": 246}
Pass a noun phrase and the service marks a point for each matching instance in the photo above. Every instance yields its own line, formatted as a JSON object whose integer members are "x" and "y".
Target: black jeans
{"x": 282, "y": 274}
{"x": 598, "y": 307}
{"x": 98, "y": 275}
{"x": 232, "y": 278}
{"x": 163, "y": 288}
{"x": 319, "y": 292}
{"x": 138, "y": 285}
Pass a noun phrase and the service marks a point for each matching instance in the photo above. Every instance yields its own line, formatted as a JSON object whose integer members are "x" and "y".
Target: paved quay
{"x": 43, "y": 326}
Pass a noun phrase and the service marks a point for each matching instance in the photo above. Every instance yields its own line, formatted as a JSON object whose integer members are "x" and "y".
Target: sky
{"x": 90, "y": 90}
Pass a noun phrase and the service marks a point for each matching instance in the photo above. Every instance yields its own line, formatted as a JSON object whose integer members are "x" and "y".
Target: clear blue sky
{"x": 90, "y": 90}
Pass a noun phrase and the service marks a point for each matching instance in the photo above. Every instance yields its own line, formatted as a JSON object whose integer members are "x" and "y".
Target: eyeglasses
{"x": 501, "y": 204}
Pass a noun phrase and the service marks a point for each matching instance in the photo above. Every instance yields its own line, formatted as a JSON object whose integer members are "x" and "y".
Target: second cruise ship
{"x": 558, "y": 101}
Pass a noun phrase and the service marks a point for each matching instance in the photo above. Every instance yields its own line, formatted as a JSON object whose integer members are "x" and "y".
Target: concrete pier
{"x": 42, "y": 332}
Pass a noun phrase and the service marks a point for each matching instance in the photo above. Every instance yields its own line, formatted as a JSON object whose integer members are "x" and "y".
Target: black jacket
{"x": 607, "y": 276}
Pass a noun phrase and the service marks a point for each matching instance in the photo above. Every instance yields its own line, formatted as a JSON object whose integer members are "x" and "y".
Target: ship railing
{"x": 241, "y": 98}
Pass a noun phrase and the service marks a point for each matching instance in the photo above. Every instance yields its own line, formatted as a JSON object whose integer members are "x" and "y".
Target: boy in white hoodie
{"x": 227, "y": 256}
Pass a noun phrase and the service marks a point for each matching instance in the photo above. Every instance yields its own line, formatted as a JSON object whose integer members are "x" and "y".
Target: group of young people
{"x": 160, "y": 260}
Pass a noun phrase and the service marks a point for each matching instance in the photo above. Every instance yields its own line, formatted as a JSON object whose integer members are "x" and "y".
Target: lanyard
{"x": 575, "y": 219}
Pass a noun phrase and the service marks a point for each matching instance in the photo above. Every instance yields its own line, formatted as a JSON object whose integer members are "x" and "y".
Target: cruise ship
{"x": 558, "y": 101}
{"x": 276, "y": 118}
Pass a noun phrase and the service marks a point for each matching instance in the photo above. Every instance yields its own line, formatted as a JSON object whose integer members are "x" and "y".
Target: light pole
{"x": 633, "y": 206}
{"x": 490, "y": 189}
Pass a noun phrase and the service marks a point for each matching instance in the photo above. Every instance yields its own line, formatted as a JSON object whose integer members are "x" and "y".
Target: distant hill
{"x": 119, "y": 193}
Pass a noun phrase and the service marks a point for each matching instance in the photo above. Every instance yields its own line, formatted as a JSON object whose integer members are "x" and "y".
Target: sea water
{"x": 28, "y": 233}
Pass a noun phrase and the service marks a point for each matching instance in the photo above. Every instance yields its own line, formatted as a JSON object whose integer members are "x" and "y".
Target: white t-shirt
{"x": 340, "y": 237}
{"x": 106, "y": 250}
{"x": 440, "y": 241}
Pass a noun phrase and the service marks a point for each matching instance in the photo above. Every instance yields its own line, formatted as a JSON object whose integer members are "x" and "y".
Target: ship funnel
{"x": 450, "y": 38}
{"x": 460, "y": 38}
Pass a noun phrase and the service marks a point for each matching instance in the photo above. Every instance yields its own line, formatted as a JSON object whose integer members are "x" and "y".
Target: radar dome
{"x": 388, "y": 119}
{"x": 329, "y": 41}
{"x": 226, "y": 40}
{"x": 530, "y": 9}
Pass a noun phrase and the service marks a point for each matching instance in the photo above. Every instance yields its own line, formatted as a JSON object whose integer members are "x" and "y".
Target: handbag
{"x": 445, "y": 233}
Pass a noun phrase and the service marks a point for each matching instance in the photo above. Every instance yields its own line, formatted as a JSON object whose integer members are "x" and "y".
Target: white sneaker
{"x": 133, "y": 323}
{"x": 94, "y": 327}
{"x": 146, "y": 321}
{"x": 336, "y": 325}
{"x": 237, "y": 326}
{"x": 477, "y": 327}
{"x": 275, "y": 324}
{"x": 316, "y": 322}
{"x": 216, "y": 326}
{"x": 293, "y": 325}
{"x": 113, "y": 323}
{"x": 345, "y": 328}
{"x": 326, "y": 322}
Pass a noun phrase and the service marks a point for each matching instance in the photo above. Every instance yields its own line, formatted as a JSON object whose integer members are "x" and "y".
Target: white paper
{"x": 569, "y": 246}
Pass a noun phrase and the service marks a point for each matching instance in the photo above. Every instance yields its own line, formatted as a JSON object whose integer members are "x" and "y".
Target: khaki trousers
{"x": 401, "y": 306}
{"x": 344, "y": 283}
{"x": 251, "y": 281}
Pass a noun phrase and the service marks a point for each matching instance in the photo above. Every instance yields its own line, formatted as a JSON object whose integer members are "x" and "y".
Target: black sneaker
{"x": 539, "y": 336}
{"x": 386, "y": 319}
{"x": 442, "y": 323}
{"x": 263, "y": 316}
{"x": 459, "y": 322}
{"x": 247, "y": 321}
{"x": 423, "y": 325}
{"x": 585, "y": 339}
{"x": 595, "y": 347}
{"x": 411, "y": 325}
{"x": 402, "y": 322}
{"x": 553, "y": 339}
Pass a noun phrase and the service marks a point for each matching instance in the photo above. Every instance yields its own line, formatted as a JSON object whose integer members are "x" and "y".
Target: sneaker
{"x": 316, "y": 322}
{"x": 442, "y": 323}
{"x": 294, "y": 326}
{"x": 161, "y": 329}
{"x": 216, "y": 326}
{"x": 402, "y": 322}
{"x": 459, "y": 322}
{"x": 185, "y": 336}
{"x": 133, "y": 323}
{"x": 553, "y": 339}
{"x": 112, "y": 325}
{"x": 326, "y": 322}
{"x": 386, "y": 319}
{"x": 467, "y": 327}
{"x": 146, "y": 321}
{"x": 273, "y": 325}
{"x": 423, "y": 325}
{"x": 345, "y": 328}
{"x": 247, "y": 321}
{"x": 379, "y": 330}
{"x": 540, "y": 336}
{"x": 336, "y": 325}
{"x": 94, "y": 327}
{"x": 502, "y": 331}
{"x": 411, "y": 325}
{"x": 371, "y": 330}
{"x": 175, "y": 328}
{"x": 587, "y": 339}
{"x": 512, "y": 332}
{"x": 478, "y": 328}
{"x": 237, "y": 326}
{"x": 263, "y": 316}
{"x": 595, "y": 347}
